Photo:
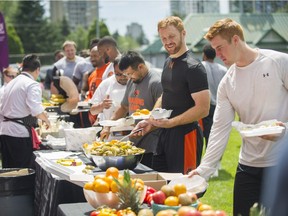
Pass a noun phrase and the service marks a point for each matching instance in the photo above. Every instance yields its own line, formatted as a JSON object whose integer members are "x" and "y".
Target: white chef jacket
{"x": 22, "y": 97}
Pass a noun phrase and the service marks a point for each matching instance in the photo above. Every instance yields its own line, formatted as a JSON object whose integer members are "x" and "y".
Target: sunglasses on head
{"x": 10, "y": 76}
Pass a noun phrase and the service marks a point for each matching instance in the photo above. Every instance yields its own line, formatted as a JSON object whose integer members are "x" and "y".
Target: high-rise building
{"x": 257, "y": 6}
{"x": 76, "y": 13}
{"x": 184, "y": 7}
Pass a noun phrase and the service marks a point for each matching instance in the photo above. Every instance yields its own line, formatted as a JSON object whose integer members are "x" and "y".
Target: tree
{"x": 49, "y": 38}
{"x": 80, "y": 37}
{"x": 14, "y": 42}
{"x": 92, "y": 30}
{"x": 28, "y": 21}
{"x": 142, "y": 40}
{"x": 116, "y": 35}
{"x": 65, "y": 29}
{"x": 8, "y": 9}
{"x": 127, "y": 43}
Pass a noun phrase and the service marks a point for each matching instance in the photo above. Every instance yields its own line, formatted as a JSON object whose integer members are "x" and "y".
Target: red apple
{"x": 188, "y": 211}
{"x": 220, "y": 213}
{"x": 159, "y": 197}
{"x": 208, "y": 213}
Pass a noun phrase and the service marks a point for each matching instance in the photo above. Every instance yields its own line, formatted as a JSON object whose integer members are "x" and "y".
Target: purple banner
{"x": 4, "y": 53}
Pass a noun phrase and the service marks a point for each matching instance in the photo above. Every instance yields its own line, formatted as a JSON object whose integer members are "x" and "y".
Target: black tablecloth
{"x": 74, "y": 209}
{"x": 50, "y": 192}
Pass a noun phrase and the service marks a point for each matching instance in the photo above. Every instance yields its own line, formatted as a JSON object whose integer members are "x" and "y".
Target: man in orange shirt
{"x": 92, "y": 79}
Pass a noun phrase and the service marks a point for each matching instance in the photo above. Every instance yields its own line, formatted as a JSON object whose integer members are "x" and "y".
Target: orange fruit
{"x": 100, "y": 176}
{"x": 136, "y": 114}
{"x": 112, "y": 171}
{"x": 101, "y": 186}
{"x": 114, "y": 187}
{"x": 204, "y": 207}
{"x": 171, "y": 201}
{"x": 145, "y": 112}
{"x": 109, "y": 180}
{"x": 89, "y": 186}
{"x": 180, "y": 188}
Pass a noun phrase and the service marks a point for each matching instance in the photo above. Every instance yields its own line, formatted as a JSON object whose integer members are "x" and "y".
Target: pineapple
{"x": 127, "y": 193}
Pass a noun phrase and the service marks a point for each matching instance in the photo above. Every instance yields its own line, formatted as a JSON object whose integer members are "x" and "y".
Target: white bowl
{"x": 109, "y": 199}
{"x": 96, "y": 199}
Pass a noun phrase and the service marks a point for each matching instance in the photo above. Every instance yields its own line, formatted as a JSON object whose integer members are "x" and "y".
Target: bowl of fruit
{"x": 115, "y": 190}
{"x": 173, "y": 197}
{"x": 122, "y": 155}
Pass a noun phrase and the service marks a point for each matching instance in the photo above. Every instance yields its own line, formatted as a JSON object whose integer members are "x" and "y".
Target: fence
{"x": 45, "y": 58}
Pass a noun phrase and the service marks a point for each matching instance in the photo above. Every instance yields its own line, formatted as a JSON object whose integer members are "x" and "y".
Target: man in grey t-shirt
{"x": 67, "y": 64}
{"x": 142, "y": 91}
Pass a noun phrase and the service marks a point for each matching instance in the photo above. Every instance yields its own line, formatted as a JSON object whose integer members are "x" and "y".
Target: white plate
{"x": 139, "y": 117}
{"x": 108, "y": 123}
{"x": 262, "y": 131}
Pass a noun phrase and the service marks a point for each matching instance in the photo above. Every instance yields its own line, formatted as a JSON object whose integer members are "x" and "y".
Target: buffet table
{"x": 51, "y": 190}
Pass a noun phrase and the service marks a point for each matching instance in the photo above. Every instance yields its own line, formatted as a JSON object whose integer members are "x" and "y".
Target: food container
{"x": 159, "y": 113}
{"x": 120, "y": 162}
{"x": 75, "y": 137}
{"x": 98, "y": 199}
{"x": 109, "y": 199}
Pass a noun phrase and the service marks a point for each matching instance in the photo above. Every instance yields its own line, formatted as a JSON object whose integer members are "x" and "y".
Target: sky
{"x": 117, "y": 14}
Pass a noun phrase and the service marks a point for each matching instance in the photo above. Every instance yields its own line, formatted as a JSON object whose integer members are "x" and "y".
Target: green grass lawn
{"x": 220, "y": 191}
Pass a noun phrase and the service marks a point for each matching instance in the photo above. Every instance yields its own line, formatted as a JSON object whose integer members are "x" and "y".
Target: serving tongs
{"x": 128, "y": 135}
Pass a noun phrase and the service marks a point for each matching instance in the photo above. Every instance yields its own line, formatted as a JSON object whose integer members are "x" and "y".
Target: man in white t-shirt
{"x": 109, "y": 94}
{"x": 256, "y": 88}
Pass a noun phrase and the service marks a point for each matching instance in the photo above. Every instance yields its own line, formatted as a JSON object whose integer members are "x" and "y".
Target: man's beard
{"x": 176, "y": 49}
{"x": 106, "y": 59}
{"x": 137, "y": 81}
